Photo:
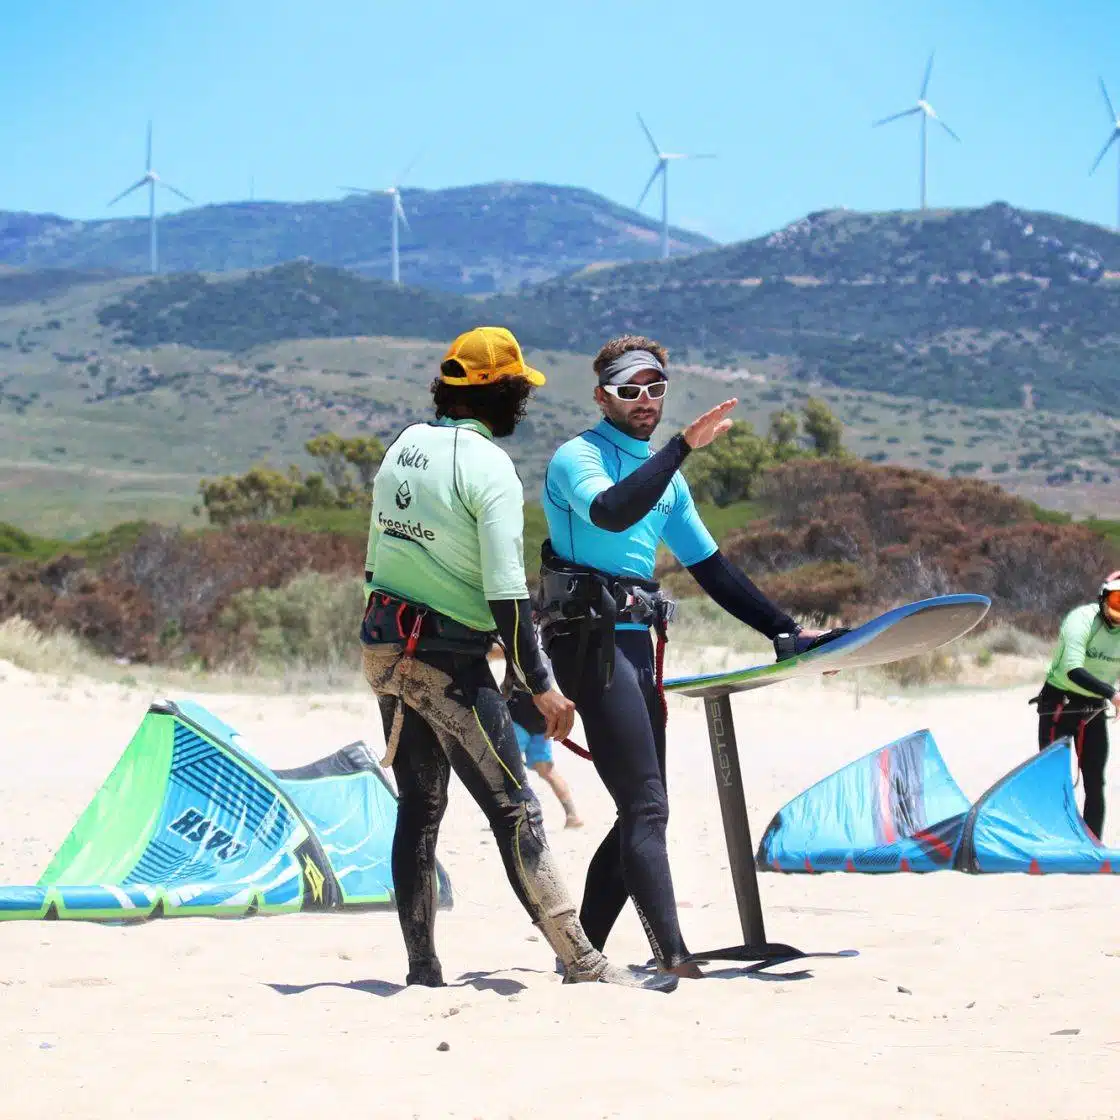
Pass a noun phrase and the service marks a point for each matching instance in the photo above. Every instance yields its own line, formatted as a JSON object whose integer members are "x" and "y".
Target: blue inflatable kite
{"x": 899, "y": 809}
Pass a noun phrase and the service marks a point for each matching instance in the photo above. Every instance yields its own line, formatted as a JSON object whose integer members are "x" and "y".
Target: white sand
{"x": 304, "y": 1015}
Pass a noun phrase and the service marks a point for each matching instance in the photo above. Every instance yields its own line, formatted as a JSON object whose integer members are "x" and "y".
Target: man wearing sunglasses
{"x": 1081, "y": 687}
{"x": 610, "y": 500}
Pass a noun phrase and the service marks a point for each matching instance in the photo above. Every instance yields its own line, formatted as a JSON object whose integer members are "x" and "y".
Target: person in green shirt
{"x": 1080, "y": 688}
{"x": 445, "y": 578}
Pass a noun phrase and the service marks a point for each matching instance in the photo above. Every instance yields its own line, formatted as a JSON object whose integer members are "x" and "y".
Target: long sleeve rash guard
{"x": 1086, "y": 659}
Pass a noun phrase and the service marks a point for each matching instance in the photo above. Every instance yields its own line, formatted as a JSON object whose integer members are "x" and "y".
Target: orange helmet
{"x": 1109, "y": 596}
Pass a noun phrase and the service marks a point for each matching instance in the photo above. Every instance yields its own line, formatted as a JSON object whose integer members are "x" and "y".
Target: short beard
{"x": 620, "y": 422}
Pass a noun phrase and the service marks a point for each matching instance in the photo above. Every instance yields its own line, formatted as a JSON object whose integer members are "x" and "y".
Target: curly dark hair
{"x": 619, "y": 346}
{"x": 499, "y": 405}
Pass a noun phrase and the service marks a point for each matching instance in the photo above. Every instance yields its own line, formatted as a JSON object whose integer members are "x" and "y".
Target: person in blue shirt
{"x": 610, "y": 500}
{"x": 536, "y": 748}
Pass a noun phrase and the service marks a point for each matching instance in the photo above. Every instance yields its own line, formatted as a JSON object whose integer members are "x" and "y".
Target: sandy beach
{"x": 971, "y": 996}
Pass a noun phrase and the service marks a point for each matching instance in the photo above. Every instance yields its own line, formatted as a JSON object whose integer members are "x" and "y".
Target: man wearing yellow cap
{"x": 445, "y": 578}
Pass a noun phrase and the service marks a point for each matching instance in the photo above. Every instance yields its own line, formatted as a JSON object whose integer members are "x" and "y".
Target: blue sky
{"x": 303, "y": 96}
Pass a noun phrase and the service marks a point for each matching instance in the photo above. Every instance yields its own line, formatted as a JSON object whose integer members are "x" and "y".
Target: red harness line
{"x": 662, "y": 639}
{"x": 583, "y": 752}
{"x": 1078, "y": 740}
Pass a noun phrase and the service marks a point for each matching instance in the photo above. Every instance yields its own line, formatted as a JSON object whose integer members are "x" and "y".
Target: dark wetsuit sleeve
{"x": 1084, "y": 679}
{"x": 514, "y": 618}
{"x": 630, "y": 499}
{"x": 733, "y": 591}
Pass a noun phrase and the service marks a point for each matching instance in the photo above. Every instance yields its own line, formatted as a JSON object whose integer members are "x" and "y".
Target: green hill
{"x": 298, "y": 300}
{"x": 991, "y": 308}
{"x": 981, "y": 342}
{"x": 966, "y": 306}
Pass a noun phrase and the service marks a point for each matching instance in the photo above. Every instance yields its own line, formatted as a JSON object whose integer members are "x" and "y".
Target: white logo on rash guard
{"x": 408, "y": 529}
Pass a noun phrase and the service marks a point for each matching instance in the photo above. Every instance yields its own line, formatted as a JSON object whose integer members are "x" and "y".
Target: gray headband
{"x": 621, "y": 369}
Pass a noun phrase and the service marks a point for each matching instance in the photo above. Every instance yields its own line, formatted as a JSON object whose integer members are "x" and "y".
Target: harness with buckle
{"x": 574, "y": 599}
{"x": 391, "y": 620}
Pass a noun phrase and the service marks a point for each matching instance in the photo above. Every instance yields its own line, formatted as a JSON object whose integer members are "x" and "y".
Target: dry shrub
{"x": 1037, "y": 572}
{"x": 938, "y": 666}
{"x": 851, "y": 539}
{"x": 1011, "y": 642}
{"x": 25, "y": 646}
{"x": 159, "y": 601}
{"x": 813, "y": 590}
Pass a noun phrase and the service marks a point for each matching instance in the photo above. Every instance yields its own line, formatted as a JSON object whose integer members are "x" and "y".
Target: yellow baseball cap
{"x": 485, "y": 355}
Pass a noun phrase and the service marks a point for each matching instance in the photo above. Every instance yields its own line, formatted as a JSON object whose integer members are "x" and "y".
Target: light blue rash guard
{"x": 594, "y": 461}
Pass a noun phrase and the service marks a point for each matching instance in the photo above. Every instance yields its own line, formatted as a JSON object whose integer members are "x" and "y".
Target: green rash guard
{"x": 447, "y": 522}
{"x": 1085, "y": 642}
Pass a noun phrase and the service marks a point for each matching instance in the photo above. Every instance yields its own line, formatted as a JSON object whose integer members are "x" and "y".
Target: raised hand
{"x": 706, "y": 428}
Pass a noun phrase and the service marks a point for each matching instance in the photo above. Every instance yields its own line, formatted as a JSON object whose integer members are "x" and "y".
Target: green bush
{"x": 325, "y": 519}
{"x": 313, "y": 621}
{"x": 15, "y": 544}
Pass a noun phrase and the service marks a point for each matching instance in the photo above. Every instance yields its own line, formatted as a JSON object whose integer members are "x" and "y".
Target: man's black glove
{"x": 790, "y": 645}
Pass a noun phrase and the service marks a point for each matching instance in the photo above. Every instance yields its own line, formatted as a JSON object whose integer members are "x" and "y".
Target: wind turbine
{"x": 662, "y": 169}
{"x": 1111, "y": 141}
{"x": 926, "y": 111}
{"x": 152, "y": 180}
{"x": 397, "y": 216}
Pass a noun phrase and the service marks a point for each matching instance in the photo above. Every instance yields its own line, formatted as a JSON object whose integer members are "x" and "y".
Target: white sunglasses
{"x": 653, "y": 392}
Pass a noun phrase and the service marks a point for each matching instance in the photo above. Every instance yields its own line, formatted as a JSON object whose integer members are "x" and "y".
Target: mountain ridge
{"x": 988, "y": 307}
{"x": 478, "y": 238}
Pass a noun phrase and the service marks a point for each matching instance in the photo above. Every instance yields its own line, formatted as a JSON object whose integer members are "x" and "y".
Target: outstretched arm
{"x": 615, "y": 507}
{"x": 735, "y": 592}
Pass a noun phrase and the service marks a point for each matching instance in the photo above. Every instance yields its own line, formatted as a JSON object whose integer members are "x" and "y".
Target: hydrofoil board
{"x": 905, "y": 631}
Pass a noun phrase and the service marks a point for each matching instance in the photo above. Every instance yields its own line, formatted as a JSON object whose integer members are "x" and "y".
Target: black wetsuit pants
{"x": 1083, "y": 719}
{"x": 625, "y": 730}
{"x": 455, "y": 719}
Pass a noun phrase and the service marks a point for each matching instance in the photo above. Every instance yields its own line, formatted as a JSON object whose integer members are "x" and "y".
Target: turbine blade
{"x": 400, "y": 210}
{"x": 948, "y": 130}
{"x": 925, "y": 80}
{"x": 135, "y": 187}
{"x": 414, "y": 161}
{"x": 656, "y": 171}
{"x": 148, "y": 165}
{"x": 897, "y": 116}
{"x": 175, "y": 190}
{"x": 649, "y": 137}
{"x": 1104, "y": 150}
{"x": 359, "y": 190}
{"x": 1107, "y": 100}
